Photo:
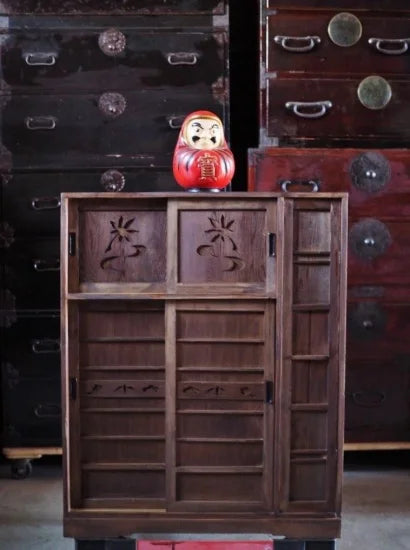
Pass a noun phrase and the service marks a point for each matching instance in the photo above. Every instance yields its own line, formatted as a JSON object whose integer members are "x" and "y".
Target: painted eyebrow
{"x": 215, "y": 125}
{"x": 197, "y": 124}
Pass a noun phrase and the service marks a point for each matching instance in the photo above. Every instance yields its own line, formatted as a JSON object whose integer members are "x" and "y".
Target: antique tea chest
{"x": 203, "y": 363}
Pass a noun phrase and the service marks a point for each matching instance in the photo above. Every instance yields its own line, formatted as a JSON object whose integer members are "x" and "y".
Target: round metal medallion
{"x": 374, "y": 92}
{"x": 367, "y": 321}
{"x": 345, "y": 29}
{"x": 369, "y": 239}
{"x": 112, "y": 104}
{"x": 112, "y": 42}
{"x": 113, "y": 181}
{"x": 370, "y": 172}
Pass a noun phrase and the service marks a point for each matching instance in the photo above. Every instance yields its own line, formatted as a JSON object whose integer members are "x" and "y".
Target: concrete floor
{"x": 376, "y": 509}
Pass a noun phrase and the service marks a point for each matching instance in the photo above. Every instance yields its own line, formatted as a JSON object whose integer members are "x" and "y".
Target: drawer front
{"x": 372, "y": 177}
{"x": 43, "y": 130}
{"x": 401, "y": 5}
{"x": 31, "y": 200}
{"x": 334, "y": 110}
{"x": 94, "y": 7}
{"x": 128, "y": 59}
{"x": 377, "y": 329}
{"x": 378, "y": 400}
{"x": 31, "y": 347}
{"x": 301, "y": 42}
{"x": 32, "y": 411}
{"x": 379, "y": 251}
{"x": 32, "y": 273}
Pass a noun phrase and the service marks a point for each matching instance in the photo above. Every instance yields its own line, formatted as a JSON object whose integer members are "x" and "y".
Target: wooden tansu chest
{"x": 203, "y": 363}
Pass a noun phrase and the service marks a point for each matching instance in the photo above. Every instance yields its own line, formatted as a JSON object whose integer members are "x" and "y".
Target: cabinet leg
{"x": 105, "y": 544}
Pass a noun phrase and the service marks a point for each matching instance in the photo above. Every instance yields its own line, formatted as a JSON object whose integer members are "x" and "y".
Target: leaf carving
{"x": 205, "y": 250}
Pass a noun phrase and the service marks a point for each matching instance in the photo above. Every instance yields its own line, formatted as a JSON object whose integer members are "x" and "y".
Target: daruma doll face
{"x": 204, "y": 133}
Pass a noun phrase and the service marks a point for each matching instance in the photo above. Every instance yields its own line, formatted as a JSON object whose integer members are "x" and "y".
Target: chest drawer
{"x": 127, "y": 59}
{"x": 324, "y": 108}
{"x": 391, "y": 5}
{"x": 32, "y": 412}
{"x": 303, "y": 43}
{"x": 47, "y": 129}
{"x": 94, "y": 7}
{"x": 32, "y": 273}
{"x": 377, "y": 329}
{"x": 31, "y": 347}
{"x": 378, "y": 400}
{"x": 379, "y": 251}
{"x": 371, "y": 176}
{"x": 31, "y": 200}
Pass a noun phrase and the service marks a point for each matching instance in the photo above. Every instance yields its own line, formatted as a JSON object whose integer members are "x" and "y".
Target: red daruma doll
{"x": 202, "y": 159}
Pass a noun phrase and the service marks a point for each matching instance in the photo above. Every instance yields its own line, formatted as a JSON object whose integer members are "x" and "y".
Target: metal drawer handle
{"x": 175, "y": 122}
{"x": 369, "y": 398}
{"x": 297, "y": 106}
{"x": 40, "y": 122}
{"x": 311, "y": 42}
{"x": 46, "y": 265}
{"x": 45, "y": 203}
{"x": 314, "y": 185}
{"x": 369, "y": 241}
{"x": 182, "y": 58}
{"x": 399, "y": 45}
{"x": 46, "y": 345}
{"x": 47, "y": 410}
{"x": 40, "y": 58}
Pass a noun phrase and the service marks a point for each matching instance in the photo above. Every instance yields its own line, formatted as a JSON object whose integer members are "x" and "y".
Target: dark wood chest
{"x": 203, "y": 363}
{"x": 378, "y": 331}
{"x": 92, "y": 98}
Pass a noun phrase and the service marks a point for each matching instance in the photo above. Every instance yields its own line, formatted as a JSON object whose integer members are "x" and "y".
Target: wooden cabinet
{"x": 203, "y": 363}
{"x": 378, "y": 331}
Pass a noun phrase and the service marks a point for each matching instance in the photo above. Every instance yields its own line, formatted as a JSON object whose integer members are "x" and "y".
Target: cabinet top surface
{"x": 204, "y": 196}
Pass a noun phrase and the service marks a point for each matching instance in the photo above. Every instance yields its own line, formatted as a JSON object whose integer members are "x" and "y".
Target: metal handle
{"x": 182, "y": 58}
{"x": 45, "y": 203}
{"x": 73, "y": 388}
{"x": 175, "y": 122}
{"x": 72, "y": 244}
{"x": 40, "y": 58}
{"x": 46, "y": 345}
{"x": 271, "y": 244}
{"x": 315, "y": 185}
{"x": 400, "y": 45}
{"x": 47, "y": 265}
{"x": 311, "y": 42}
{"x": 40, "y": 122}
{"x": 367, "y": 324}
{"x": 296, "y": 107}
{"x": 47, "y": 410}
{"x": 368, "y": 398}
{"x": 269, "y": 392}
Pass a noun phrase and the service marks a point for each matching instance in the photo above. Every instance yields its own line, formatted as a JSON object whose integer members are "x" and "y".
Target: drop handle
{"x": 45, "y": 203}
{"x": 41, "y": 265}
{"x": 46, "y": 345}
{"x": 269, "y": 392}
{"x": 40, "y": 122}
{"x": 390, "y": 46}
{"x": 297, "y": 44}
{"x": 40, "y": 58}
{"x": 309, "y": 109}
{"x": 182, "y": 58}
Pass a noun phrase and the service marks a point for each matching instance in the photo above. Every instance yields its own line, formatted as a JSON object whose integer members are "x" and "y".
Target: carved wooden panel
{"x": 220, "y": 246}
{"x": 126, "y": 246}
